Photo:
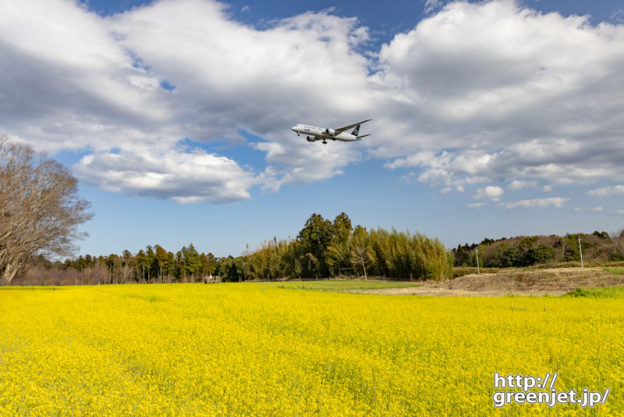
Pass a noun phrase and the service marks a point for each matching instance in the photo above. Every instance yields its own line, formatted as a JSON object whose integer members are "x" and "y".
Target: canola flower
{"x": 260, "y": 350}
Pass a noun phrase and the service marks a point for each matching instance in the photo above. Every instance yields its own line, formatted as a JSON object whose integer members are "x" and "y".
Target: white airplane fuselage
{"x": 318, "y": 133}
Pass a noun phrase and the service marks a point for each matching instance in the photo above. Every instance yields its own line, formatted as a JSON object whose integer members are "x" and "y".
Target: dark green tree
{"x": 315, "y": 238}
{"x": 162, "y": 260}
{"x": 342, "y": 228}
{"x": 150, "y": 263}
{"x": 192, "y": 262}
{"x": 141, "y": 265}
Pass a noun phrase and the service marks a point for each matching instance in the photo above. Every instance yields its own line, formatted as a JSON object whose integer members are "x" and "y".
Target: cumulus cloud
{"x": 519, "y": 184}
{"x": 538, "y": 202}
{"x": 301, "y": 164}
{"x": 487, "y": 96}
{"x": 491, "y": 192}
{"x": 185, "y": 177}
{"x": 607, "y": 191}
{"x": 229, "y": 76}
{"x": 511, "y": 94}
{"x": 130, "y": 87}
{"x": 70, "y": 85}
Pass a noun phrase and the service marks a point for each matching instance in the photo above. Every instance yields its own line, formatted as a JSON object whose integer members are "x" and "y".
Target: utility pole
{"x": 477, "y": 256}
{"x": 581, "y": 251}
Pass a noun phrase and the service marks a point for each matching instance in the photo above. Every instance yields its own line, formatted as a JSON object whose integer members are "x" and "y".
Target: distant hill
{"x": 534, "y": 250}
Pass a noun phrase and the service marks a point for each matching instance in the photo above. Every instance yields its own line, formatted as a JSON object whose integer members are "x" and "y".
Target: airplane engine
{"x": 310, "y": 139}
{"x": 330, "y": 132}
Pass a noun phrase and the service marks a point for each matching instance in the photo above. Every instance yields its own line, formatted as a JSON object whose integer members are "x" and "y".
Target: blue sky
{"x": 490, "y": 119}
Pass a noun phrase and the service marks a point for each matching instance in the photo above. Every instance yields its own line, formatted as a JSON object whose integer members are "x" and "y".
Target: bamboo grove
{"x": 323, "y": 249}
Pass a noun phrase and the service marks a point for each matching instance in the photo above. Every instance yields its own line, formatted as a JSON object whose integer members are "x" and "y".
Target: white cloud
{"x": 231, "y": 76}
{"x": 476, "y": 205}
{"x": 593, "y": 209}
{"x": 519, "y": 184}
{"x": 521, "y": 96}
{"x": 491, "y": 192}
{"x": 71, "y": 85}
{"x": 538, "y": 202}
{"x": 299, "y": 164}
{"x": 179, "y": 175}
{"x": 96, "y": 84}
{"x": 607, "y": 191}
{"x": 621, "y": 212}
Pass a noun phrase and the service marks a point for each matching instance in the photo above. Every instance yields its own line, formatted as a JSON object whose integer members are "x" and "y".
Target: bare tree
{"x": 618, "y": 244}
{"x": 359, "y": 256}
{"x": 40, "y": 209}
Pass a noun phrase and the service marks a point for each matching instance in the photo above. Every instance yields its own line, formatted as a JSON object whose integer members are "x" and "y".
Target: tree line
{"x": 154, "y": 264}
{"x": 322, "y": 249}
{"x": 522, "y": 251}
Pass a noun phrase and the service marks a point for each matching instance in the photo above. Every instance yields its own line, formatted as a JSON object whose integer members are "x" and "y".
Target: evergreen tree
{"x": 162, "y": 260}
{"x": 315, "y": 238}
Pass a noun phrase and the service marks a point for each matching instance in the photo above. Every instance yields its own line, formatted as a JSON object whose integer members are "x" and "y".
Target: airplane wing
{"x": 342, "y": 129}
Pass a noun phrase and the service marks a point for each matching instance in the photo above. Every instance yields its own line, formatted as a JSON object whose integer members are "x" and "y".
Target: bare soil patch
{"x": 555, "y": 281}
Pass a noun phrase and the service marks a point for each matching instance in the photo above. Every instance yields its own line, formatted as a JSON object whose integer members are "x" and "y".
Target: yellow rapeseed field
{"x": 261, "y": 350}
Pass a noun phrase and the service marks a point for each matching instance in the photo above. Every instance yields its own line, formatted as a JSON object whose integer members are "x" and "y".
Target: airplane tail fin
{"x": 363, "y": 136}
{"x": 356, "y": 130}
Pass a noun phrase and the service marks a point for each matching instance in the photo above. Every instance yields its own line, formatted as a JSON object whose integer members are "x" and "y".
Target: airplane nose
{"x": 294, "y": 128}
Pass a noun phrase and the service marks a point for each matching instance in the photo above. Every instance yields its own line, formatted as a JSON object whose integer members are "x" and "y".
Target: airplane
{"x": 315, "y": 133}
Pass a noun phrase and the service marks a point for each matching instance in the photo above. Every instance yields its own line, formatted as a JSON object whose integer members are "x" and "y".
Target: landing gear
{"x": 324, "y": 142}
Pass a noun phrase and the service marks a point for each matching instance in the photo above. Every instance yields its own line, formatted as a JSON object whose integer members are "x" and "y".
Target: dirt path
{"x": 540, "y": 282}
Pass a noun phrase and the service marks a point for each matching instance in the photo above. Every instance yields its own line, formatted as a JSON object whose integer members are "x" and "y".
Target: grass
{"x": 606, "y": 292}
{"x": 615, "y": 270}
{"x": 343, "y": 285}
